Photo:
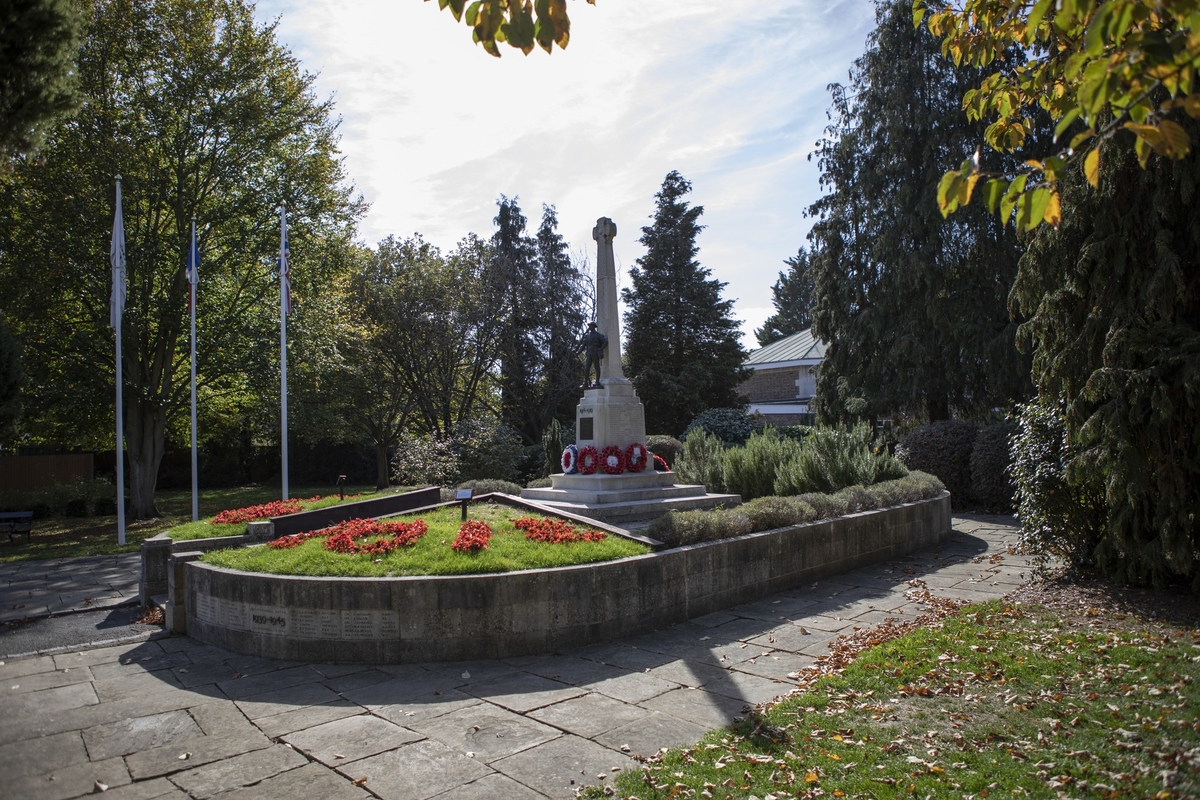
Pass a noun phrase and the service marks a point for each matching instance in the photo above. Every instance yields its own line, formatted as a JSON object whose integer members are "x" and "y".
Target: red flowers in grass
{"x": 472, "y": 537}
{"x": 276, "y": 508}
{"x": 555, "y": 531}
{"x": 342, "y": 537}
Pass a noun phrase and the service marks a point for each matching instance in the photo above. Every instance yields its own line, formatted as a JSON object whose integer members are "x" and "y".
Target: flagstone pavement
{"x": 174, "y": 718}
{"x": 64, "y": 585}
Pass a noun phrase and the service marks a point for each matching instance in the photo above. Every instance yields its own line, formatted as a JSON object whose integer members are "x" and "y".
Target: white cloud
{"x": 731, "y": 94}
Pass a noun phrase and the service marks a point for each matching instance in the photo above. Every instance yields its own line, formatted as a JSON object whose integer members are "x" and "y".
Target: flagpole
{"x": 193, "y": 279}
{"x": 117, "y": 310}
{"x": 285, "y": 289}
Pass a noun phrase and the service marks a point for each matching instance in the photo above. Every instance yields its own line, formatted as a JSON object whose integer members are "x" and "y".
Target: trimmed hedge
{"x": 666, "y": 446}
{"x": 730, "y": 425}
{"x": 991, "y": 483}
{"x": 680, "y": 528}
{"x": 943, "y": 449}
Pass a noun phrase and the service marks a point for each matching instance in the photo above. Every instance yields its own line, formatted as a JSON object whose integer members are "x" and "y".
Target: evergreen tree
{"x": 515, "y": 267}
{"x": 564, "y": 316}
{"x": 39, "y": 40}
{"x": 792, "y": 296}
{"x": 681, "y": 349}
{"x": 913, "y": 306}
{"x": 1113, "y": 299}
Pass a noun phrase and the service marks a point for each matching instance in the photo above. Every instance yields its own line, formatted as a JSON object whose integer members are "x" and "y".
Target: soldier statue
{"x": 593, "y": 344}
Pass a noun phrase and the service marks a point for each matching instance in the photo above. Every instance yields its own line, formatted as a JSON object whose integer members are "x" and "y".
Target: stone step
{"x": 606, "y": 497}
{"x": 618, "y": 513}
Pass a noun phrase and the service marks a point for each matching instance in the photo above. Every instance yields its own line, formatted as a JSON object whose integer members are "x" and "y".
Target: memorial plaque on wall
{"x": 586, "y": 430}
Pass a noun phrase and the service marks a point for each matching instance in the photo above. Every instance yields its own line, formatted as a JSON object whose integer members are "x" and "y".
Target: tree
{"x": 12, "y": 379}
{"x": 204, "y": 113}
{"x": 1113, "y": 304}
{"x": 515, "y": 23}
{"x": 566, "y": 310}
{"x": 446, "y": 321}
{"x": 38, "y": 43}
{"x": 913, "y": 306}
{"x": 792, "y": 296}
{"x": 515, "y": 267}
{"x": 1098, "y": 67}
{"x": 681, "y": 350}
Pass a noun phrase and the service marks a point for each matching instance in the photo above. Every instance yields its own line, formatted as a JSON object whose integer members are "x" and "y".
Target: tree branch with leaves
{"x": 1097, "y": 67}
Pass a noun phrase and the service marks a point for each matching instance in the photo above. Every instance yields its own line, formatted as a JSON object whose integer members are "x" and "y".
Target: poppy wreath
{"x": 635, "y": 457}
{"x": 588, "y": 461}
{"x": 661, "y": 465}
{"x": 570, "y": 460}
{"x": 612, "y": 460}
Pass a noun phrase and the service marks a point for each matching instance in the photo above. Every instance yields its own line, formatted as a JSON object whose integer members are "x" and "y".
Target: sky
{"x": 731, "y": 93}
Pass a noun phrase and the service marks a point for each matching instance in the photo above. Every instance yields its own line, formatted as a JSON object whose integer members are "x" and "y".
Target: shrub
{"x": 795, "y": 432}
{"x": 666, "y": 446}
{"x": 825, "y": 506}
{"x": 991, "y": 484}
{"x": 489, "y": 485}
{"x": 486, "y": 449}
{"x": 701, "y": 461}
{"x": 539, "y": 483}
{"x": 768, "y": 513}
{"x": 730, "y": 425}
{"x": 943, "y": 449}
{"x": 856, "y": 498}
{"x": 750, "y": 470}
{"x": 554, "y": 441}
{"x": 424, "y": 461}
{"x": 76, "y": 498}
{"x": 831, "y": 459}
{"x": 1062, "y": 512}
{"x": 679, "y": 528}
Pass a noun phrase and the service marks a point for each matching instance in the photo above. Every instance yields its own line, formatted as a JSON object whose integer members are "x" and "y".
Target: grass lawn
{"x": 62, "y": 537}
{"x": 995, "y": 701}
{"x": 204, "y": 528}
{"x": 508, "y": 550}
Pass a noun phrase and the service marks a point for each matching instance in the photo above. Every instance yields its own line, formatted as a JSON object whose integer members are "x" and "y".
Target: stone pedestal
{"x": 611, "y": 414}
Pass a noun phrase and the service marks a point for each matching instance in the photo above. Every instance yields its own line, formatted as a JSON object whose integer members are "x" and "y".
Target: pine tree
{"x": 515, "y": 266}
{"x": 1113, "y": 298}
{"x": 792, "y": 296}
{"x": 39, "y": 40}
{"x": 564, "y": 316}
{"x": 913, "y": 305}
{"x": 681, "y": 350}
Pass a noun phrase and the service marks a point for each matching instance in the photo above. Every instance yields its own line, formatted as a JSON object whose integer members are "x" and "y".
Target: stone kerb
{"x": 447, "y": 618}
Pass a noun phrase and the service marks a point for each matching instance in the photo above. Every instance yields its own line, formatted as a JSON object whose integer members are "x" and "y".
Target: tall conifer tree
{"x": 681, "y": 348}
{"x": 564, "y": 316}
{"x": 792, "y": 296}
{"x": 913, "y": 305}
{"x": 515, "y": 266}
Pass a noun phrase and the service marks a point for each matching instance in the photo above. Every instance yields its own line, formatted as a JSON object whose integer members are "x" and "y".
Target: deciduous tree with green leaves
{"x": 1097, "y": 67}
{"x": 517, "y": 23}
{"x": 913, "y": 305}
{"x": 204, "y": 113}
{"x": 681, "y": 340}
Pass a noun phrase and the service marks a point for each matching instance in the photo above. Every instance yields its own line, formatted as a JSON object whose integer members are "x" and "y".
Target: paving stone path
{"x": 62, "y": 585}
{"x": 173, "y": 718}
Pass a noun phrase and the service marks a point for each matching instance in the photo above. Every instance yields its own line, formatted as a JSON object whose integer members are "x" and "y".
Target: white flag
{"x": 285, "y": 263}
{"x": 116, "y": 255}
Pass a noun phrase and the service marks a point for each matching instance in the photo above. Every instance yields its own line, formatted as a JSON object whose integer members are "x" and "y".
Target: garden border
{"x": 464, "y": 617}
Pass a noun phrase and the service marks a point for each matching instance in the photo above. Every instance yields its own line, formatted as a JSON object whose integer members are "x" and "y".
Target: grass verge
{"x": 69, "y": 537}
{"x": 205, "y": 528}
{"x": 997, "y": 700}
{"x": 507, "y": 551}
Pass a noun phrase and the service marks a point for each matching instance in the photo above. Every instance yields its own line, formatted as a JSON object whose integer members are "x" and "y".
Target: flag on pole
{"x": 285, "y": 267}
{"x": 116, "y": 255}
{"x": 193, "y": 270}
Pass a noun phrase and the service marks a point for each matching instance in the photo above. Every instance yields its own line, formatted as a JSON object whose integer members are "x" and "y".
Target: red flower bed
{"x": 342, "y": 537}
{"x": 276, "y": 508}
{"x": 472, "y": 537}
{"x": 555, "y": 531}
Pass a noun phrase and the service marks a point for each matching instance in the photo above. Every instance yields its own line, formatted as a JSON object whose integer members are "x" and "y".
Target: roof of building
{"x": 799, "y": 347}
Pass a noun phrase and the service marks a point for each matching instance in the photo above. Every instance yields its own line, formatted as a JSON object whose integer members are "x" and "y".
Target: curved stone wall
{"x": 450, "y": 618}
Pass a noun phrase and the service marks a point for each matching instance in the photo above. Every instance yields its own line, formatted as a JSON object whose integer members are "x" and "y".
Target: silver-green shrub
{"x": 832, "y": 458}
{"x": 751, "y": 470}
{"x": 769, "y": 513}
{"x": 679, "y": 528}
{"x": 702, "y": 461}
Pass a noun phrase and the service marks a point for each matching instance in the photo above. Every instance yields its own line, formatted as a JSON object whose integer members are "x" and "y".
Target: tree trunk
{"x": 145, "y": 428}
{"x": 381, "y": 465}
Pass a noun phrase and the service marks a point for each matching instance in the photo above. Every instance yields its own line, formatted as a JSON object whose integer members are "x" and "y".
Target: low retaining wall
{"x": 449, "y": 618}
{"x": 157, "y": 550}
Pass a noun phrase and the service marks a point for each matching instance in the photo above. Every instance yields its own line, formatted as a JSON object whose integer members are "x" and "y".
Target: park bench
{"x": 15, "y": 522}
